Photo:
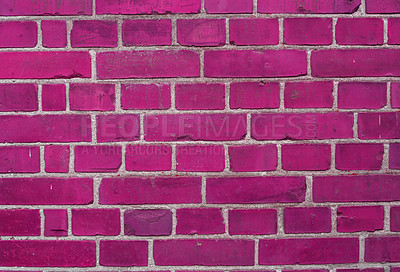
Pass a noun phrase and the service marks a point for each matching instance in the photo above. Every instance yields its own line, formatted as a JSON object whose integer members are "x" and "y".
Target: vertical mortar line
{"x": 122, "y": 169}
{"x": 71, "y": 159}
{"x": 226, "y": 157}
{"x": 203, "y": 9}
{"x": 203, "y": 190}
{"x": 333, "y": 155}
{"x": 69, "y": 220}
{"x": 141, "y": 117}
{"x": 248, "y": 126}
{"x": 386, "y": 221}
{"x": 174, "y": 31}
{"x": 42, "y": 162}
{"x": 151, "y": 262}
{"x": 309, "y": 182}
{"x": 334, "y": 218}
{"x": 173, "y": 96}
{"x": 309, "y": 72}
{"x": 362, "y": 247}
{"x": 93, "y": 65}
{"x": 279, "y": 153}
{"x": 40, "y": 98}
{"x": 227, "y": 39}
{"x": 281, "y": 31}
{"x": 225, "y": 216}
{"x": 93, "y": 128}
{"x": 39, "y": 44}
{"x": 42, "y": 222}
{"x": 119, "y": 32}
{"x": 388, "y": 96}
{"x": 334, "y": 22}
{"x": 174, "y": 221}
{"x": 385, "y": 31}
{"x": 280, "y": 221}
{"x": 363, "y": 7}
{"x": 282, "y": 95}
{"x": 255, "y": 7}
{"x": 202, "y": 64}
{"x": 67, "y": 98}
{"x": 227, "y": 95}
{"x": 335, "y": 95}
{"x": 256, "y": 247}
{"x": 96, "y": 187}
{"x": 93, "y": 7}
{"x": 118, "y": 97}
{"x": 385, "y": 161}
{"x": 69, "y": 23}
{"x": 122, "y": 219}
{"x": 355, "y": 126}
{"x": 97, "y": 252}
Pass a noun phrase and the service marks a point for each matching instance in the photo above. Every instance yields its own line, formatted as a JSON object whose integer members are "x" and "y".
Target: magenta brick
{"x": 370, "y": 95}
{"x": 247, "y": 63}
{"x": 20, "y": 222}
{"x": 47, "y": 7}
{"x": 11, "y": 94}
{"x": 359, "y": 156}
{"x": 253, "y": 158}
{"x": 394, "y": 30}
{"x": 18, "y": 34}
{"x": 356, "y": 188}
{"x": 308, "y": 251}
{"x": 383, "y": 6}
{"x": 395, "y": 94}
{"x": 34, "y": 253}
{"x": 201, "y": 32}
{"x": 382, "y": 249}
{"x": 55, "y": 223}
{"x": 123, "y": 253}
{"x": 92, "y": 96}
{"x": 382, "y": 125}
{"x": 19, "y": 159}
{"x": 199, "y": 221}
{"x": 253, "y": 31}
{"x": 56, "y": 158}
{"x": 314, "y": 94}
{"x": 308, "y": 31}
{"x": 150, "y": 190}
{"x": 204, "y": 252}
{"x": 195, "y": 127}
{"x": 101, "y": 158}
{"x": 363, "y": 31}
{"x": 31, "y": 65}
{"x": 96, "y": 222}
{"x": 306, "y": 157}
{"x": 362, "y": 270}
{"x": 299, "y": 126}
{"x": 118, "y": 127}
{"x": 146, "y": 32}
{"x": 353, "y": 219}
{"x": 148, "y": 158}
{"x": 200, "y": 158}
{"x": 355, "y": 62}
{"x": 394, "y": 156}
{"x": 53, "y": 97}
{"x": 254, "y": 95}
{"x": 94, "y": 34}
{"x": 145, "y": 96}
{"x": 395, "y": 218}
{"x": 307, "y": 6}
{"x": 54, "y": 34}
{"x": 200, "y": 96}
{"x": 307, "y": 220}
{"x": 256, "y": 190}
{"x": 307, "y": 270}
{"x": 252, "y": 222}
{"x": 147, "y": 64}
{"x": 228, "y": 6}
{"x": 152, "y": 7}
{"x": 46, "y": 191}
{"x": 148, "y": 222}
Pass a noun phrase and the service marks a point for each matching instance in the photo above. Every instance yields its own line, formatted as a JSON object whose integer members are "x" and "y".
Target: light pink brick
{"x": 361, "y": 95}
{"x": 359, "y": 156}
{"x": 379, "y": 125}
{"x": 394, "y": 156}
{"x": 19, "y": 159}
{"x": 56, "y": 158}
{"x": 254, "y": 95}
{"x": 201, "y": 32}
{"x": 123, "y": 253}
{"x": 308, "y": 31}
{"x": 53, "y": 97}
{"x": 148, "y": 158}
{"x": 228, "y": 6}
{"x": 253, "y": 158}
{"x": 252, "y": 222}
{"x": 315, "y": 94}
{"x": 353, "y": 219}
{"x": 96, "y": 222}
{"x": 104, "y": 158}
{"x": 21, "y": 222}
{"x": 54, "y": 34}
{"x": 315, "y": 6}
{"x": 359, "y": 31}
{"x": 18, "y": 34}
{"x": 199, "y": 221}
{"x": 94, "y": 34}
{"x": 253, "y": 31}
{"x": 145, "y": 96}
{"x": 118, "y": 127}
{"x": 18, "y": 97}
{"x": 306, "y": 157}
{"x": 55, "y": 223}
{"x": 152, "y": 7}
{"x": 148, "y": 222}
{"x": 48, "y": 7}
{"x": 200, "y": 96}
{"x": 92, "y": 96}
{"x": 307, "y": 220}
{"x": 200, "y": 158}
{"x": 146, "y": 32}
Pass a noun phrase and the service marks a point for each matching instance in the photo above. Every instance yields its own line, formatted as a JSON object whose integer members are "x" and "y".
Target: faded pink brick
{"x": 54, "y": 34}
{"x": 359, "y": 31}
{"x": 306, "y": 157}
{"x": 382, "y": 249}
{"x": 18, "y": 34}
{"x": 394, "y": 30}
{"x": 315, "y": 94}
{"x": 379, "y": 125}
{"x": 148, "y": 158}
{"x": 94, "y": 34}
{"x": 252, "y": 222}
{"x": 18, "y": 97}
{"x": 96, "y": 222}
{"x": 199, "y": 221}
{"x": 56, "y": 158}
{"x": 92, "y": 96}
{"x": 54, "y": 97}
{"x": 101, "y": 158}
{"x": 145, "y": 96}
{"x": 55, "y": 223}
{"x": 395, "y": 94}
{"x": 307, "y": 270}
{"x": 254, "y": 95}
{"x": 308, "y": 31}
{"x": 20, "y": 222}
{"x": 253, "y": 31}
{"x": 253, "y": 158}
{"x": 19, "y": 159}
{"x": 48, "y": 7}
{"x": 155, "y": 7}
{"x": 148, "y": 222}
{"x": 123, "y": 253}
{"x": 307, "y": 220}
{"x": 201, "y": 32}
{"x": 228, "y": 6}
{"x": 200, "y": 158}
{"x": 353, "y": 219}
{"x": 383, "y": 6}
{"x": 395, "y": 218}
{"x": 146, "y": 32}
{"x": 359, "y": 156}
{"x": 361, "y": 95}
{"x": 118, "y": 127}
{"x": 394, "y": 156}
{"x": 318, "y": 6}
{"x": 200, "y": 96}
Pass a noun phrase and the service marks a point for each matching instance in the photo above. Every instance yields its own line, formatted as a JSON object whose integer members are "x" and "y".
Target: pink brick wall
{"x": 200, "y": 135}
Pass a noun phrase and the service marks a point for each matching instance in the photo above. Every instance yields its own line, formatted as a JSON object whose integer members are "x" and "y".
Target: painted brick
{"x": 95, "y": 222}
{"x": 254, "y": 95}
{"x": 56, "y": 158}
{"x": 359, "y": 156}
{"x": 47, "y": 7}
{"x": 94, "y": 34}
{"x": 308, "y": 31}
{"x": 123, "y": 253}
{"x": 200, "y": 96}
{"x": 19, "y": 159}
{"x": 102, "y": 158}
{"x": 307, "y": 220}
{"x": 395, "y": 94}
{"x": 148, "y": 222}
{"x": 382, "y": 249}
{"x": 200, "y": 158}
{"x": 253, "y": 31}
{"x": 201, "y": 32}
{"x": 393, "y": 30}
{"x": 145, "y": 96}
{"x": 54, "y": 34}
{"x": 359, "y": 31}
{"x": 53, "y": 97}
{"x": 118, "y": 127}
{"x": 199, "y": 221}
{"x": 315, "y": 94}
{"x": 253, "y": 158}
{"x": 90, "y": 96}
{"x": 382, "y": 125}
{"x": 148, "y": 158}
{"x": 156, "y": 7}
{"x": 20, "y": 222}
{"x": 228, "y": 6}
{"x": 307, "y": 157}
{"x": 11, "y": 94}
{"x": 18, "y": 34}
{"x": 394, "y": 156}
{"x": 353, "y": 219}
{"x": 146, "y": 32}
{"x": 307, "y": 6}
{"x": 55, "y": 223}
{"x": 252, "y": 222}
{"x": 395, "y": 218}
{"x": 384, "y": 6}
{"x": 370, "y": 95}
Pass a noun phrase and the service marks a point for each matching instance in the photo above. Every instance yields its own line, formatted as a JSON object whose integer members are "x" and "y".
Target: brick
{"x": 356, "y": 188}
{"x": 201, "y": 32}
{"x": 255, "y": 190}
{"x": 382, "y": 125}
{"x": 363, "y": 31}
{"x": 146, "y": 32}
{"x": 18, "y": 34}
{"x": 200, "y": 96}
{"x": 318, "y": 6}
{"x": 150, "y": 190}
{"x": 394, "y": 156}
{"x": 47, "y": 7}
{"x": 118, "y": 127}
{"x": 384, "y": 6}
{"x": 164, "y": 7}
{"x": 301, "y": 126}
{"x": 395, "y": 218}
{"x": 228, "y": 6}
{"x": 148, "y": 158}
{"x": 199, "y": 221}
{"x": 94, "y": 34}
{"x": 54, "y": 34}
{"x": 54, "y": 97}
{"x": 195, "y": 127}
{"x": 382, "y": 249}
{"x": 308, "y": 31}
{"x": 34, "y": 253}
{"x": 19, "y": 159}
{"x": 253, "y": 158}
{"x": 370, "y": 95}
{"x": 148, "y": 222}
{"x": 55, "y": 223}
{"x": 253, "y": 31}
{"x": 20, "y": 222}
{"x": 204, "y": 252}
{"x": 10, "y": 97}
{"x": 254, "y": 95}
{"x": 140, "y": 64}
{"x": 359, "y": 156}
{"x": 355, "y": 63}
{"x": 252, "y": 222}
{"x": 393, "y": 30}
{"x": 307, "y": 270}
{"x": 314, "y": 94}
{"x": 362, "y": 270}
{"x": 145, "y": 96}
{"x": 45, "y": 65}
{"x": 96, "y": 222}
{"x": 395, "y": 94}
{"x": 200, "y": 158}
{"x": 307, "y": 220}
{"x": 309, "y": 251}
{"x": 101, "y": 158}
{"x": 306, "y": 157}
{"x": 262, "y": 63}
{"x": 123, "y": 253}
{"x": 353, "y": 219}
{"x": 92, "y": 96}
{"x": 56, "y": 158}
{"x": 46, "y": 191}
